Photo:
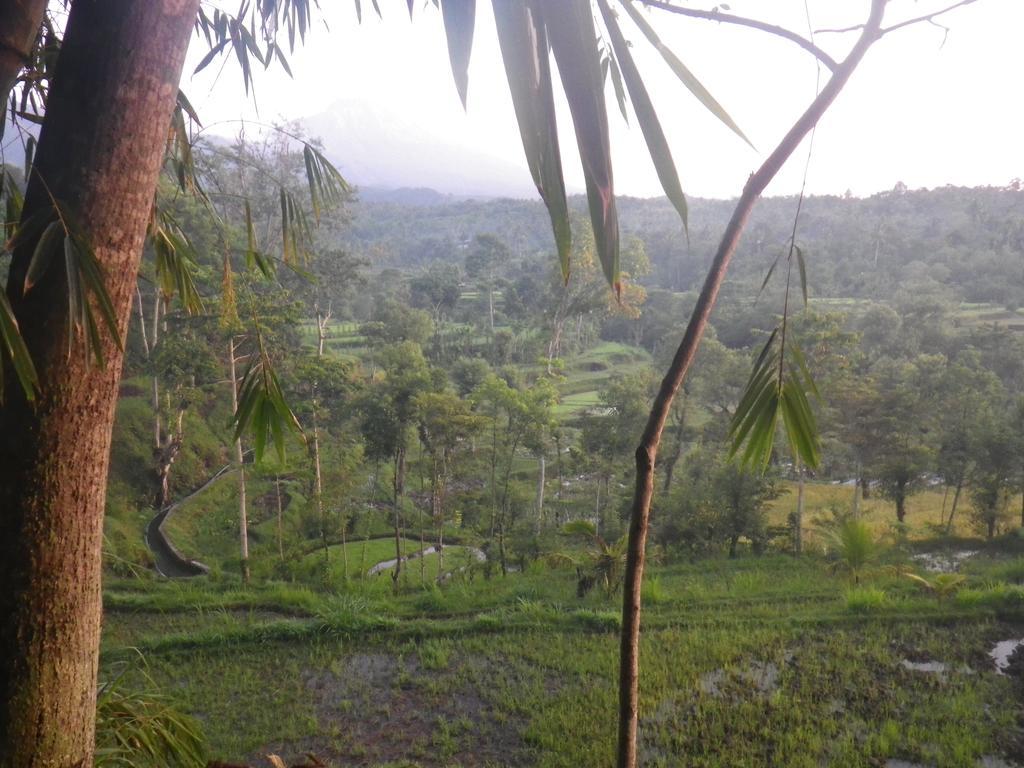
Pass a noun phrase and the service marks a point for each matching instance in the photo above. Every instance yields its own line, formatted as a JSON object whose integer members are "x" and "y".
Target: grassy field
{"x": 363, "y": 555}
{"x": 587, "y": 374}
{"x": 925, "y": 510}
{"x": 755, "y": 662}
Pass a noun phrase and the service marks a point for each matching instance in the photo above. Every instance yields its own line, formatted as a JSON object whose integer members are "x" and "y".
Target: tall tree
{"x": 100, "y": 152}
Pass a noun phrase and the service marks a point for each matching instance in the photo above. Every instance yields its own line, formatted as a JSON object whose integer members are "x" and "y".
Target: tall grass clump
{"x": 865, "y": 600}
{"x": 143, "y": 730}
{"x": 652, "y": 592}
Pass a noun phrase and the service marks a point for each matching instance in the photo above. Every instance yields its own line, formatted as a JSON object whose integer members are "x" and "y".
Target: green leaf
{"x": 42, "y": 255}
{"x": 803, "y": 271}
{"x": 681, "y": 71}
{"x": 612, "y": 64}
{"x": 262, "y": 408}
{"x": 768, "y": 276}
{"x": 650, "y": 126}
{"x": 573, "y": 40}
{"x": 175, "y": 260}
{"x": 327, "y": 187}
{"x": 459, "y": 16}
{"x": 524, "y": 50}
{"x": 210, "y": 56}
{"x": 15, "y": 350}
{"x": 187, "y": 107}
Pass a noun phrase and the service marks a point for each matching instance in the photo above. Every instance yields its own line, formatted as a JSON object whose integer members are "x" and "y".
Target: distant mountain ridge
{"x": 379, "y": 147}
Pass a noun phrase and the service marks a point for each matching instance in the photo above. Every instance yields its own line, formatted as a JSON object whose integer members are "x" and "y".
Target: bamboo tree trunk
{"x": 99, "y": 152}
{"x": 423, "y": 559}
{"x": 280, "y": 520}
{"x": 798, "y": 533}
{"x": 318, "y": 486}
{"x": 541, "y": 466}
{"x": 399, "y": 482}
{"x": 243, "y": 517}
{"x": 952, "y": 509}
{"x": 344, "y": 547}
{"x": 21, "y": 23}
{"x": 142, "y": 322}
{"x": 670, "y": 466}
{"x": 647, "y": 451}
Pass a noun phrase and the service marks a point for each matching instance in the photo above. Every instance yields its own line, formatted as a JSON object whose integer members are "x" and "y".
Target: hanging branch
{"x": 647, "y": 451}
{"x": 742, "y": 21}
{"x": 928, "y": 17}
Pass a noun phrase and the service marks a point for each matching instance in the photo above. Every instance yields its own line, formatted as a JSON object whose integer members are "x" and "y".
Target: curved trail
{"x": 169, "y": 561}
{"x": 385, "y": 565}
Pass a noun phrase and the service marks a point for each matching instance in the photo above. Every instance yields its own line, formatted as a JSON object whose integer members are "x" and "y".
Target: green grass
{"x": 924, "y": 510}
{"x": 754, "y": 662}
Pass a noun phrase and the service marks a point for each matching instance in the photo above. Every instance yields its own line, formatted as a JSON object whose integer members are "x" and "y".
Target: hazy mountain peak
{"x": 379, "y": 145}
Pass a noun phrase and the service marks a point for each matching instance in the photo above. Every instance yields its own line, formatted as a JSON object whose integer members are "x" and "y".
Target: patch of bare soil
{"x": 381, "y": 708}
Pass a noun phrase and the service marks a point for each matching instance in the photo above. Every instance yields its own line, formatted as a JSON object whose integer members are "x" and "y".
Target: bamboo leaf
{"x": 573, "y": 40}
{"x": 803, "y": 271}
{"x": 210, "y": 56}
{"x": 768, "y": 276}
{"x": 42, "y": 256}
{"x": 524, "y": 51}
{"x": 620, "y": 93}
{"x": 650, "y": 126}
{"x": 15, "y": 350}
{"x": 681, "y": 71}
{"x": 459, "y": 16}
{"x": 187, "y": 107}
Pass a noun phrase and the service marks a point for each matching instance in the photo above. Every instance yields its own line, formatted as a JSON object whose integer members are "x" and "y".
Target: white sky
{"x": 917, "y": 110}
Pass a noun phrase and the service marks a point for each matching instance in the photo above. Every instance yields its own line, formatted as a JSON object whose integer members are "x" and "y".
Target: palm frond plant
{"x": 940, "y": 585}
{"x": 601, "y": 563}
{"x": 852, "y": 547}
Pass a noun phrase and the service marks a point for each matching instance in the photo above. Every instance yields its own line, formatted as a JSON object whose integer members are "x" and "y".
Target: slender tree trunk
{"x": 952, "y": 509}
{"x": 865, "y": 488}
{"x": 670, "y": 466}
{"x": 166, "y": 454}
{"x": 280, "y": 519}
{"x": 399, "y": 484}
{"x": 318, "y": 485}
{"x": 647, "y": 452}
{"x": 157, "y": 426}
{"x": 901, "y": 507}
{"x": 423, "y": 560}
{"x": 344, "y": 547}
{"x": 142, "y": 322}
{"x": 490, "y": 307}
{"x": 798, "y": 532}
{"x": 99, "y": 153}
{"x": 541, "y": 472}
{"x": 243, "y": 515}
{"x": 21, "y": 21}
{"x": 157, "y": 304}
{"x": 855, "y": 507}
{"x": 440, "y": 552}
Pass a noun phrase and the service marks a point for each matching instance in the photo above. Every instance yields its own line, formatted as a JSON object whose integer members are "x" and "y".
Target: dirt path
{"x": 169, "y": 561}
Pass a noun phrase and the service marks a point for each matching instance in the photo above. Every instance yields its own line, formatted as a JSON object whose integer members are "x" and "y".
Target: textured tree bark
{"x": 99, "y": 153}
{"x": 647, "y": 451}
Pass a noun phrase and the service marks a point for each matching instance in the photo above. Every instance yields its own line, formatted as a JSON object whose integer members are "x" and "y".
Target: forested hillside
{"x": 447, "y": 383}
{"x": 450, "y": 512}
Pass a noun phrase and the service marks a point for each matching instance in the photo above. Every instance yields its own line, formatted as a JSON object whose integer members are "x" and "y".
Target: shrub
{"x": 865, "y": 600}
